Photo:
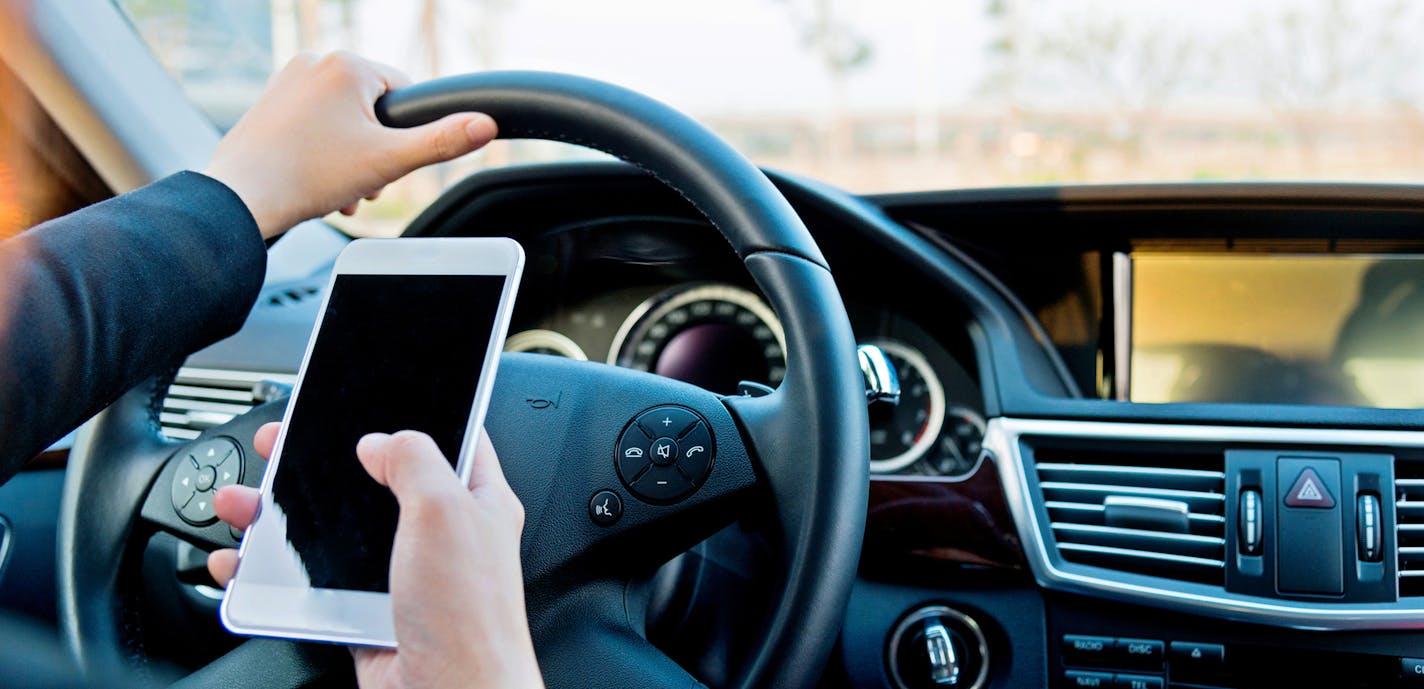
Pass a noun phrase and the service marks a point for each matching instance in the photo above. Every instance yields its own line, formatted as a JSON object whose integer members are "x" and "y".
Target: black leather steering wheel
{"x": 797, "y": 457}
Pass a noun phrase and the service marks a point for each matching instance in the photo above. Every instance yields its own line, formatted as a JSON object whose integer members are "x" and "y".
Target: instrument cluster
{"x": 717, "y": 335}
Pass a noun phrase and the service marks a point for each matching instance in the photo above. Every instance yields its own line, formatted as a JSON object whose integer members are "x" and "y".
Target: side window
{"x": 42, "y": 175}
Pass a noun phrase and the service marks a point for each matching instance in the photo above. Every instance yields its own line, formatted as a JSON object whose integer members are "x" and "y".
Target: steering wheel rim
{"x": 806, "y": 443}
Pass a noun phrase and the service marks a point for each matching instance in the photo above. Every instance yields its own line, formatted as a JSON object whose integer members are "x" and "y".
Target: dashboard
{"x": 1038, "y": 506}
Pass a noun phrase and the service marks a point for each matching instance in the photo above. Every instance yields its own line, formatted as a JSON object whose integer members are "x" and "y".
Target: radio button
{"x": 1089, "y": 651}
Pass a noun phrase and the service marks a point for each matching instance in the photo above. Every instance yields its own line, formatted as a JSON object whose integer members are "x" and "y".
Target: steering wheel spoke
{"x": 274, "y": 664}
{"x": 595, "y": 634}
{"x": 618, "y": 470}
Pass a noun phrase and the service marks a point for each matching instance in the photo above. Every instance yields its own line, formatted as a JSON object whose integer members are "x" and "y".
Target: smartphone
{"x": 409, "y": 337}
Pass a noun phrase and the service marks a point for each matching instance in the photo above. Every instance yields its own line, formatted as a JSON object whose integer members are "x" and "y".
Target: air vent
{"x": 1409, "y": 524}
{"x": 201, "y": 398}
{"x": 290, "y": 296}
{"x": 1160, "y": 515}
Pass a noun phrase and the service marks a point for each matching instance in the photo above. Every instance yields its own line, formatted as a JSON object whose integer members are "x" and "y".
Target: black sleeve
{"x": 94, "y": 302}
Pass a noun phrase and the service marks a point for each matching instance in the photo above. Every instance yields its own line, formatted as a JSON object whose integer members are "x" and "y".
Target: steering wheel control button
{"x": 696, "y": 447}
{"x": 605, "y": 508}
{"x": 666, "y": 421}
{"x": 202, "y": 470}
{"x": 206, "y": 476}
{"x": 662, "y": 484}
{"x": 665, "y": 454}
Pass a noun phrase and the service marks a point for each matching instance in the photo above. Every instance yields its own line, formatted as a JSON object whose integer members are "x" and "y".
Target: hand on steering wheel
{"x": 456, "y": 585}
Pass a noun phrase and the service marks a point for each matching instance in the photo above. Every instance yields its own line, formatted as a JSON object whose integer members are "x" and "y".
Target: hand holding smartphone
{"x": 409, "y": 338}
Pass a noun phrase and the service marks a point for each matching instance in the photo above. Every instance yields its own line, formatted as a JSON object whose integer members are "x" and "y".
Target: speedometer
{"x": 710, "y": 335}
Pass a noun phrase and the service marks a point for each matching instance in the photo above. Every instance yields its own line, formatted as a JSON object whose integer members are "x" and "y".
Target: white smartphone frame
{"x": 364, "y": 617}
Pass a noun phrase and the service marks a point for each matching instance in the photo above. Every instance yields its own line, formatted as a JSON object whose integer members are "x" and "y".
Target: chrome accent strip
{"x": 1145, "y": 533}
{"x": 1002, "y": 439}
{"x": 1114, "y": 469}
{"x": 1141, "y": 554}
{"x": 1122, "y": 326}
{"x": 1411, "y": 573}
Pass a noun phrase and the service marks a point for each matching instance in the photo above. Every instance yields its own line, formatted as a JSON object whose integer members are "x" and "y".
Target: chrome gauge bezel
{"x": 927, "y": 440}
{"x": 539, "y": 338}
{"x": 653, "y": 309}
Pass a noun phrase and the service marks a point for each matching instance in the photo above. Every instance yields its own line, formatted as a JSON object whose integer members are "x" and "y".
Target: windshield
{"x": 891, "y": 95}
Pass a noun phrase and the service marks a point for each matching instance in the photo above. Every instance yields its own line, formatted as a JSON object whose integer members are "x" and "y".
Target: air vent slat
{"x": 1409, "y": 525}
{"x": 202, "y": 398}
{"x": 1080, "y": 492}
{"x": 1159, "y": 515}
{"x": 1146, "y": 477}
{"x": 1144, "y": 554}
{"x": 1138, "y": 539}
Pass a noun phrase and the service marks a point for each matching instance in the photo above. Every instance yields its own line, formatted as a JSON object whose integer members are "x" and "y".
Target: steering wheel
{"x": 795, "y": 459}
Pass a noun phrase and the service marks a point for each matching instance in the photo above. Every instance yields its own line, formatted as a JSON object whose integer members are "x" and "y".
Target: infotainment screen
{"x": 1295, "y": 329}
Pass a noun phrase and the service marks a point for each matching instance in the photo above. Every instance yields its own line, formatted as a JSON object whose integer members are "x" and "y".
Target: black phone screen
{"x": 394, "y": 352}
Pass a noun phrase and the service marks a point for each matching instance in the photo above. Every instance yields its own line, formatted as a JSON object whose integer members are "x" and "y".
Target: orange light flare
{"x": 12, "y": 213}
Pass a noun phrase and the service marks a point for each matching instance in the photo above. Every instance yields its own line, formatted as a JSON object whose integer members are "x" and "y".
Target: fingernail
{"x": 481, "y": 127}
{"x": 371, "y": 439}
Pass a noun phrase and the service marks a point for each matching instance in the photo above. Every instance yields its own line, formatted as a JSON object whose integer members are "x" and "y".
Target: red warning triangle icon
{"x": 1309, "y": 491}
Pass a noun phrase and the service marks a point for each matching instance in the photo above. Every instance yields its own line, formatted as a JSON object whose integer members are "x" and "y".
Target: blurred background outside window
{"x": 891, "y": 95}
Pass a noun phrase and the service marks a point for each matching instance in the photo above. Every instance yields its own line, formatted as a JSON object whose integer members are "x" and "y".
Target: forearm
{"x": 96, "y": 301}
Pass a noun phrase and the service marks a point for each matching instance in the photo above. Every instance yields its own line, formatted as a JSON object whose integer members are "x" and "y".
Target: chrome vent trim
{"x": 201, "y": 398}
{"x": 1004, "y": 439}
{"x": 1080, "y": 490}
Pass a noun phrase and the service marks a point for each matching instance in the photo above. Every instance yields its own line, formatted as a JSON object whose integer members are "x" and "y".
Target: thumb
{"x": 410, "y": 464}
{"x": 485, "y": 470}
{"x": 444, "y": 139}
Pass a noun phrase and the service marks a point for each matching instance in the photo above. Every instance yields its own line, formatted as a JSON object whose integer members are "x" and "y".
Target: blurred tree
{"x": 1306, "y": 61}
{"x": 828, "y": 33}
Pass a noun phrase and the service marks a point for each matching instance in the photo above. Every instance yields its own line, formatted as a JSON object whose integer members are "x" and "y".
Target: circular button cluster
{"x": 665, "y": 454}
{"x": 202, "y": 470}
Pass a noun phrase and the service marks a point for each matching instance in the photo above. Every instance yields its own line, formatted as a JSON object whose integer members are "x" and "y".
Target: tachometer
{"x": 959, "y": 444}
{"x": 714, "y": 336}
{"x": 901, "y": 434}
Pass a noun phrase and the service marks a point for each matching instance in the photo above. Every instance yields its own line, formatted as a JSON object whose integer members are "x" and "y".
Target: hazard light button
{"x": 1309, "y": 491}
